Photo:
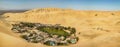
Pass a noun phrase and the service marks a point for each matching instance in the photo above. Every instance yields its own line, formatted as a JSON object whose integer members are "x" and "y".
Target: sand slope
{"x": 96, "y": 28}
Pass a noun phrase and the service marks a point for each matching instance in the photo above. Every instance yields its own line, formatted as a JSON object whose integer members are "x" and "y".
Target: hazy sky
{"x": 72, "y": 4}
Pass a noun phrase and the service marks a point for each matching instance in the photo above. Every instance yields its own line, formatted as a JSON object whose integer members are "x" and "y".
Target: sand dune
{"x": 96, "y": 28}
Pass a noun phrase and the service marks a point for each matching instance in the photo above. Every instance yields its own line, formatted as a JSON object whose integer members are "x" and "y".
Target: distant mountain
{"x": 11, "y": 11}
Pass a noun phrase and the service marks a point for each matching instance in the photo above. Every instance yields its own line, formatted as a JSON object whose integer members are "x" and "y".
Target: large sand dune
{"x": 94, "y": 28}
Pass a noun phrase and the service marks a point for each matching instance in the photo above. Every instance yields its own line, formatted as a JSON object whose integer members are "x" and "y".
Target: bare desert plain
{"x": 94, "y": 28}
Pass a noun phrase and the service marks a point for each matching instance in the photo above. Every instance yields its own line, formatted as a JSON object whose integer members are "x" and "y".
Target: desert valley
{"x": 93, "y": 28}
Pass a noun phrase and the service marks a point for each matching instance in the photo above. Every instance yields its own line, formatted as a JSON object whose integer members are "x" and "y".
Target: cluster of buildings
{"x": 52, "y": 35}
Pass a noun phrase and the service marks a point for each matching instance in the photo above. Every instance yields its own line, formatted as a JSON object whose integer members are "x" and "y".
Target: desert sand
{"x": 94, "y": 28}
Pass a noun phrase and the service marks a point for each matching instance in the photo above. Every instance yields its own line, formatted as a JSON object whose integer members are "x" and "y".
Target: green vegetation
{"x": 54, "y": 31}
{"x": 61, "y": 44}
{"x": 28, "y": 24}
{"x": 58, "y": 30}
{"x": 25, "y": 37}
{"x": 73, "y": 30}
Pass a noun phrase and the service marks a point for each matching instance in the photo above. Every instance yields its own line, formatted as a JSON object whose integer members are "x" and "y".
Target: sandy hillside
{"x": 94, "y": 28}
